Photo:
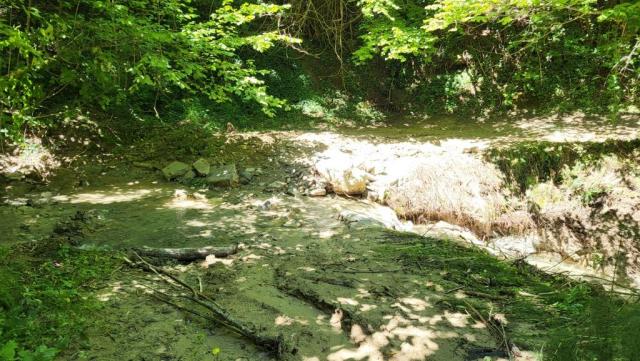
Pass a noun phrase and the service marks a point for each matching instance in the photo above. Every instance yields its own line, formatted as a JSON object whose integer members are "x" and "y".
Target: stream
{"x": 325, "y": 272}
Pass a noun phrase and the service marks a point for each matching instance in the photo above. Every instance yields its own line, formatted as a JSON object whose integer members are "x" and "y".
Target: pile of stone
{"x": 216, "y": 176}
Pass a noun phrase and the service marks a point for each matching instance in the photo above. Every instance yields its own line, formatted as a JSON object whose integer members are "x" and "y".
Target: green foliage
{"x": 529, "y": 163}
{"x": 44, "y": 302}
{"x": 128, "y": 53}
{"x": 554, "y": 53}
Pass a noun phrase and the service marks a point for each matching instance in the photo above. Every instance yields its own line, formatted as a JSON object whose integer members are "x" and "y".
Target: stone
{"x": 175, "y": 170}
{"x": 188, "y": 176}
{"x": 318, "y": 192}
{"x": 374, "y": 217}
{"x": 223, "y": 176}
{"x": 516, "y": 246}
{"x": 351, "y": 181}
{"x": 202, "y": 167}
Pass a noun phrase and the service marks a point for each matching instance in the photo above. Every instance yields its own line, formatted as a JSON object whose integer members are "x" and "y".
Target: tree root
{"x": 193, "y": 299}
{"x": 186, "y": 254}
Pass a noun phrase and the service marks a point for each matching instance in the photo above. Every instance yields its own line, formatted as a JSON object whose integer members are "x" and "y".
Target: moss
{"x": 544, "y": 312}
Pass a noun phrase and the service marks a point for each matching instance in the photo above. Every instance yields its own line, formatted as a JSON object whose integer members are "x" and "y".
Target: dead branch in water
{"x": 186, "y": 254}
{"x": 496, "y": 329}
{"x": 193, "y": 298}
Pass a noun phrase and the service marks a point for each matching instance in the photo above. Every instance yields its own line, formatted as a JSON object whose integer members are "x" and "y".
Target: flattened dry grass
{"x": 455, "y": 188}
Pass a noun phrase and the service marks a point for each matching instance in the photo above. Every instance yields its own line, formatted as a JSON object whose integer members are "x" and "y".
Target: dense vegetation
{"x": 141, "y": 58}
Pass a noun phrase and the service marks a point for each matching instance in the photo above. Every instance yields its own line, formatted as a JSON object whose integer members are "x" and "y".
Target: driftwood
{"x": 186, "y": 254}
{"x": 194, "y": 298}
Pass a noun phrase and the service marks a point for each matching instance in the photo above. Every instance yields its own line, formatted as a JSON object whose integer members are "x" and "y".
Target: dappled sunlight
{"x": 456, "y": 319}
{"x": 577, "y": 127}
{"x": 336, "y": 320}
{"x": 212, "y": 259}
{"x": 107, "y": 197}
{"x": 421, "y": 182}
{"x": 188, "y": 204}
{"x": 347, "y": 301}
{"x": 31, "y": 158}
{"x": 284, "y": 320}
{"x": 416, "y": 343}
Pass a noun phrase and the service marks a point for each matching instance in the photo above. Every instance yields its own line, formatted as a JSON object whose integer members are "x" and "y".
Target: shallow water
{"x": 291, "y": 241}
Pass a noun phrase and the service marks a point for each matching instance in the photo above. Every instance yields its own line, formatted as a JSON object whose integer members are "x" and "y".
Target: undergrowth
{"x": 558, "y": 318}
{"x": 529, "y": 163}
{"x": 46, "y": 299}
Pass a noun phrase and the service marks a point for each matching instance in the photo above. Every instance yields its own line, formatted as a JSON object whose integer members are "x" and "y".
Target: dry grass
{"x": 454, "y": 188}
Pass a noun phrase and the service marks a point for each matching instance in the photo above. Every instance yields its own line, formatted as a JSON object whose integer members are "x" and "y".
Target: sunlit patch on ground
{"x": 102, "y": 197}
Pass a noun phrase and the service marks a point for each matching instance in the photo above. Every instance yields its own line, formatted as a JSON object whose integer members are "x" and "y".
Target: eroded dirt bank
{"x": 334, "y": 277}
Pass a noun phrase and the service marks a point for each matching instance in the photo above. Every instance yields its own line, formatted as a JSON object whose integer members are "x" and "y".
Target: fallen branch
{"x": 276, "y": 345}
{"x": 496, "y": 329}
{"x": 186, "y": 254}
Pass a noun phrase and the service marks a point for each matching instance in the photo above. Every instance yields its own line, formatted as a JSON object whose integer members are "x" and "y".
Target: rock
{"x": 318, "y": 192}
{"x": 344, "y": 179}
{"x": 175, "y": 170}
{"x": 516, "y": 246}
{"x": 292, "y": 191}
{"x": 449, "y": 231}
{"x": 372, "y": 217}
{"x": 202, "y": 167}
{"x": 188, "y": 176}
{"x": 223, "y": 176}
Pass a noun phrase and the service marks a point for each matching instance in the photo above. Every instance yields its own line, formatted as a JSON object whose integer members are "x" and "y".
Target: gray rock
{"x": 175, "y": 170}
{"x": 202, "y": 167}
{"x": 318, "y": 192}
{"x": 376, "y": 217}
{"x": 223, "y": 176}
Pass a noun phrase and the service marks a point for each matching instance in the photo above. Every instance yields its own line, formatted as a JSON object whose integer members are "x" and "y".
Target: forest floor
{"x": 328, "y": 277}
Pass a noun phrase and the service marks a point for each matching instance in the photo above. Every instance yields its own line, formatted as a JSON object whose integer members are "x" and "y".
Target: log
{"x": 186, "y": 254}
